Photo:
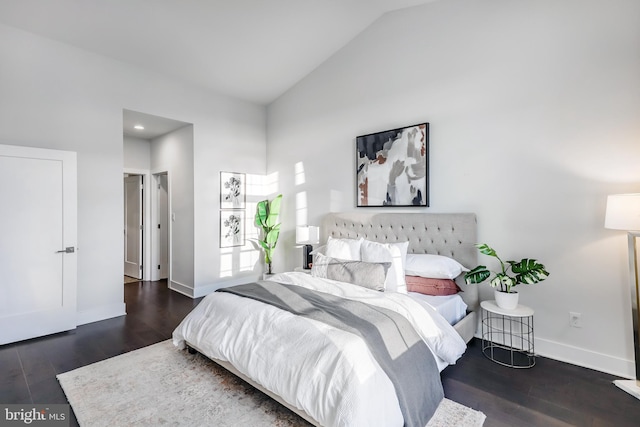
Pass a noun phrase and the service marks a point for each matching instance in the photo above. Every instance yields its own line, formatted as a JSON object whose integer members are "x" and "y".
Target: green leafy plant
{"x": 266, "y": 218}
{"x": 528, "y": 271}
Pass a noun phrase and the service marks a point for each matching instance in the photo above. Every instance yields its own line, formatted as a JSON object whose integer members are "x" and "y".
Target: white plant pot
{"x": 507, "y": 301}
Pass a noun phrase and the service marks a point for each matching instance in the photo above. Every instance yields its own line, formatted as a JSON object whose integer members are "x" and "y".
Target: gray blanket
{"x": 393, "y": 342}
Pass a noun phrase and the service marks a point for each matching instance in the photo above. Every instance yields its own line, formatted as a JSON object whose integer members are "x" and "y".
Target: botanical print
{"x": 392, "y": 167}
{"x": 232, "y": 193}
{"x": 231, "y": 228}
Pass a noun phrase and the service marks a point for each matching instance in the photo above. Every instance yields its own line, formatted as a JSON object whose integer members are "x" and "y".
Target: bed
{"x": 322, "y": 373}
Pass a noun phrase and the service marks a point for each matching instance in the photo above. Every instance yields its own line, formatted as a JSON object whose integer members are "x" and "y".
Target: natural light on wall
{"x": 255, "y": 187}
{"x": 270, "y": 184}
{"x": 302, "y": 215}
{"x": 301, "y": 208}
{"x": 299, "y": 173}
{"x": 226, "y": 262}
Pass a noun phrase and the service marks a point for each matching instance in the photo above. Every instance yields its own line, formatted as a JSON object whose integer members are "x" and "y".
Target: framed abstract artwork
{"x": 232, "y": 190}
{"x": 231, "y": 228}
{"x": 392, "y": 167}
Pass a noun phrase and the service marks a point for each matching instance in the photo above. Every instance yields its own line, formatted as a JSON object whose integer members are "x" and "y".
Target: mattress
{"x": 451, "y": 307}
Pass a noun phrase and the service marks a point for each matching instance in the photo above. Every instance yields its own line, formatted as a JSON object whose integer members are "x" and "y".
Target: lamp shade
{"x": 623, "y": 212}
{"x": 307, "y": 235}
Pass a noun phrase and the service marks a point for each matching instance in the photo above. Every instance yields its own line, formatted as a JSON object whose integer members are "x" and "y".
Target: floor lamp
{"x": 623, "y": 213}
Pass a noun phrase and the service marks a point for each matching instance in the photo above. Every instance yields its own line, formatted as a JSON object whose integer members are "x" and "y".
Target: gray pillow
{"x": 366, "y": 274}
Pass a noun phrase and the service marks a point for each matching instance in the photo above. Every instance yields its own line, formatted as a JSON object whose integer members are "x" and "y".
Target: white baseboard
{"x": 102, "y": 312}
{"x": 586, "y": 358}
{"x": 181, "y": 288}
{"x": 630, "y": 386}
{"x": 606, "y": 363}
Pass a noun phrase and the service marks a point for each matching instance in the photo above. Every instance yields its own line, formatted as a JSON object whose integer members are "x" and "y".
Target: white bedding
{"x": 451, "y": 307}
{"x": 327, "y": 372}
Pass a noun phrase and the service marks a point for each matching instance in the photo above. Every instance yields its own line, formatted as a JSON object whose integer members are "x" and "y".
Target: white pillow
{"x": 346, "y": 249}
{"x": 395, "y": 253}
{"x": 433, "y": 266}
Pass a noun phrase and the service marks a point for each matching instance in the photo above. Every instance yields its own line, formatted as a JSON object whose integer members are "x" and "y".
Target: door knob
{"x": 67, "y": 250}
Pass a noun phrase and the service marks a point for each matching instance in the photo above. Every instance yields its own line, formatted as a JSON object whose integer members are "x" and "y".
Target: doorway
{"x": 147, "y": 226}
{"x": 161, "y": 150}
{"x": 162, "y": 232}
{"x": 133, "y": 227}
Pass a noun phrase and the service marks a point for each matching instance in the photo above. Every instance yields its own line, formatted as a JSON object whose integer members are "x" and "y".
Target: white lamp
{"x": 307, "y": 235}
{"x": 623, "y": 213}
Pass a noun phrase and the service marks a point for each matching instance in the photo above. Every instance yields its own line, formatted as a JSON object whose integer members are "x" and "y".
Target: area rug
{"x": 161, "y": 385}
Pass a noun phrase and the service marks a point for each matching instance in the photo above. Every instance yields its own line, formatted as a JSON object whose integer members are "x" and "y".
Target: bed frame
{"x": 452, "y": 235}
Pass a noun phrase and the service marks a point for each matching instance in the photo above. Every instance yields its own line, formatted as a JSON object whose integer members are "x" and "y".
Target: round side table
{"x": 507, "y": 335}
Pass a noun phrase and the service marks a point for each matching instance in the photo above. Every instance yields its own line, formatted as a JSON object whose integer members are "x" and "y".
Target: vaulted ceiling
{"x": 249, "y": 49}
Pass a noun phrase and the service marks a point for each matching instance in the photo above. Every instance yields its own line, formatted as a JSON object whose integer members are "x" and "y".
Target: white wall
{"x": 235, "y": 151}
{"x": 533, "y": 107}
{"x": 56, "y": 96}
{"x": 136, "y": 153}
{"x": 173, "y": 153}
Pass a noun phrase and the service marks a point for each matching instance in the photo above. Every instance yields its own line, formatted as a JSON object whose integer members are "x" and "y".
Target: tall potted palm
{"x": 527, "y": 271}
{"x": 267, "y": 213}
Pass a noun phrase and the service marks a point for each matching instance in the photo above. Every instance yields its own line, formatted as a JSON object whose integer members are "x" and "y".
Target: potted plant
{"x": 528, "y": 271}
{"x": 266, "y": 218}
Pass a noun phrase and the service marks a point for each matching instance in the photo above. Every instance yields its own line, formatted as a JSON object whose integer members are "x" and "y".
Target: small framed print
{"x": 232, "y": 190}
{"x": 232, "y": 228}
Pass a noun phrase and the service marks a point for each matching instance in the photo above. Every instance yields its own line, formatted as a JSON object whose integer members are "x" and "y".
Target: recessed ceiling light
{"x": 139, "y": 127}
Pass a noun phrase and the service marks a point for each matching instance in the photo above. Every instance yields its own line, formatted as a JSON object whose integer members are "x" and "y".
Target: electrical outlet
{"x": 575, "y": 320}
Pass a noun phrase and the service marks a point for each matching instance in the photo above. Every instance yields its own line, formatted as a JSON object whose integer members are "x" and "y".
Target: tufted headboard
{"x": 453, "y": 235}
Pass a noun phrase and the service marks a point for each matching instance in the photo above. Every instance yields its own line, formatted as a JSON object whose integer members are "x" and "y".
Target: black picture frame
{"x": 232, "y": 190}
{"x": 392, "y": 167}
{"x": 232, "y": 228}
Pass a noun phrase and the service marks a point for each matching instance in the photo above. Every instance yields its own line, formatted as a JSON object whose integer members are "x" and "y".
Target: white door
{"x": 38, "y": 231}
{"x": 133, "y": 226}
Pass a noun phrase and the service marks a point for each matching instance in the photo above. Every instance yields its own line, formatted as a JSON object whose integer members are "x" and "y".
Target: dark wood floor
{"x": 548, "y": 395}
